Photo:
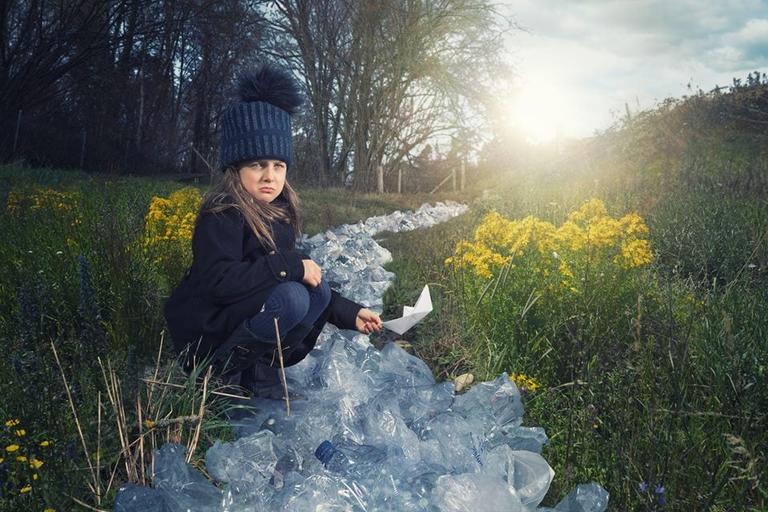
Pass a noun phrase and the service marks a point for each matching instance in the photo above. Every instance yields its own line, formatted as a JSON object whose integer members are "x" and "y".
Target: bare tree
{"x": 383, "y": 77}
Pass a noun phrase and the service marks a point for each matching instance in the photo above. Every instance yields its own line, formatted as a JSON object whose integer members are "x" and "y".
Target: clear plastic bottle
{"x": 291, "y": 461}
{"x": 350, "y": 459}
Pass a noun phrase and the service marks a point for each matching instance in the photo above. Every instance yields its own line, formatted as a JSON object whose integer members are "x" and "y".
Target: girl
{"x": 245, "y": 270}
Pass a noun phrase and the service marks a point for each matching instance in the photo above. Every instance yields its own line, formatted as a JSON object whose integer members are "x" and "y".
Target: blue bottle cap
{"x": 325, "y": 451}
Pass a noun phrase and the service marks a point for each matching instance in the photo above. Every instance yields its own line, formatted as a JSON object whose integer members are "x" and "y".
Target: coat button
{"x": 282, "y": 273}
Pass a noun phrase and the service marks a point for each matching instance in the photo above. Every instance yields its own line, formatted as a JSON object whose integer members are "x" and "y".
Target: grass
{"x": 76, "y": 278}
{"x": 668, "y": 394}
{"x": 658, "y": 383}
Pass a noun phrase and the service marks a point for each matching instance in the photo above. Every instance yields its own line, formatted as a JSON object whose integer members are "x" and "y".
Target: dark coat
{"x": 230, "y": 278}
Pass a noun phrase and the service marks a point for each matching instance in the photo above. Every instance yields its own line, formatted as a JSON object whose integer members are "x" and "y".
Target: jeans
{"x": 293, "y": 304}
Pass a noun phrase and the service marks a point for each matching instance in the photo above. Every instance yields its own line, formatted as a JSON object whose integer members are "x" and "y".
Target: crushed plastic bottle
{"x": 352, "y": 460}
{"x": 400, "y": 441}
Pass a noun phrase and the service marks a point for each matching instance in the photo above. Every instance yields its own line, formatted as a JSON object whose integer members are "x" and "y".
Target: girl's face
{"x": 263, "y": 179}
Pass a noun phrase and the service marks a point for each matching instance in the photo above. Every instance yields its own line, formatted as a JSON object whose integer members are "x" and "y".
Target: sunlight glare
{"x": 539, "y": 112}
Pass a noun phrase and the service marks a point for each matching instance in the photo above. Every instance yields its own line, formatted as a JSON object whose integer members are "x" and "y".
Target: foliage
{"x": 648, "y": 385}
{"x": 169, "y": 224}
{"x": 544, "y": 277}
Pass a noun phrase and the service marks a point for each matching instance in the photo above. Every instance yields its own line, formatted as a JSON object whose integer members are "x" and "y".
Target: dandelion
{"x": 35, "y": 463}
{"x": 21, "y": 432}
{"x": 12, "y": 448}
{"x": 12, "y": 423}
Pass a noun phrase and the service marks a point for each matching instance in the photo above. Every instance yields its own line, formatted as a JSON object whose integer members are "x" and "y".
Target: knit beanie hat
{"x": 258, "y": 126}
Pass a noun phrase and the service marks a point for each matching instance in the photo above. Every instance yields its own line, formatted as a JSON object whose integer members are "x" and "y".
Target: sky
{"x": 578, "y": 62}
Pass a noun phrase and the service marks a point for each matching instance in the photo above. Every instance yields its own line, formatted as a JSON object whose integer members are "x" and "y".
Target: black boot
{"x": 241, "y": 350}
{"x": 264, "y": 381}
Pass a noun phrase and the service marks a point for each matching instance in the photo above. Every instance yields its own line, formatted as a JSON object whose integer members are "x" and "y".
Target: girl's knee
{"x": 293, "y": 297}
{"x": 321, "y": 293}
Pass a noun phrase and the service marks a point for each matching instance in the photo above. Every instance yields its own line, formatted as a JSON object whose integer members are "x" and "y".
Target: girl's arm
{"x": 343, "y": 311}
{"x": 225, "y": 278}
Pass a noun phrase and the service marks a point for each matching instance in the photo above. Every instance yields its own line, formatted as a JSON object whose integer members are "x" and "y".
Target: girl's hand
{"x": 367, "y": 321}
{"x": 312, "y": 273}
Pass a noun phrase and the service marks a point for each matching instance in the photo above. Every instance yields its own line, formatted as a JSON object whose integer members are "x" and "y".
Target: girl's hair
{"x": 228, "y": 192}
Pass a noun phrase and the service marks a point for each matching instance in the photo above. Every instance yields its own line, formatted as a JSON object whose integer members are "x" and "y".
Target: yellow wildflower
{"x": 592, "y": 209}
{"x": 45, "y": 443}
{"x": 634, "y": 253}
{"x": 21, "y": 458}
{"x": 35, "y": 463}
{"x": 524, "y": 382}
{"x": 603, "y": 232}
{"x": 169, "y": 224}
{"x": 12, "y": 448}
{"x": 12, "y": 423}
{"x": 633, "y": 225}
{"x": 25, "y": 489}
{"x": 21, "y": 432}
{"x": 589, "y": 238}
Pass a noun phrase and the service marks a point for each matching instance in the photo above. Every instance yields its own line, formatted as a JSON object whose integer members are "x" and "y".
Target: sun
{"x": 539, "y": 112}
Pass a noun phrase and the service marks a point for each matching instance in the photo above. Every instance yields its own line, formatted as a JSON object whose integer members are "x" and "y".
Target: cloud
{"x": 606, "y": 54}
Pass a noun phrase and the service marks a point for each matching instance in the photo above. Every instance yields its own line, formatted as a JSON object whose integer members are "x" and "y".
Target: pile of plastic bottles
{"x": 372, "y": 431}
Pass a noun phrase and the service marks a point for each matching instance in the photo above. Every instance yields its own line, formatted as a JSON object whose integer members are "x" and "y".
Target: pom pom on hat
{"x": 270, "y": 84}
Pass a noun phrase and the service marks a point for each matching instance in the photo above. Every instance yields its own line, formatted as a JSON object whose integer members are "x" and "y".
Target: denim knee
{"x": 319, "y": 298}
{"x": 290, "y": 300}
{"x": 320, "y": 294}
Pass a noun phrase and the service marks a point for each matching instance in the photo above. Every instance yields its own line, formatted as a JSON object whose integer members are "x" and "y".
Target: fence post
{"x": 463, "y": 174}
{"x": 16, "y": 137}
{"x": 381, "y": 179}
{"x": 399, "y": 180}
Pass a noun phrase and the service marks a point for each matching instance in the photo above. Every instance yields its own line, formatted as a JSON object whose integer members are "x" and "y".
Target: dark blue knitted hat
{"x": 258, "y": 126}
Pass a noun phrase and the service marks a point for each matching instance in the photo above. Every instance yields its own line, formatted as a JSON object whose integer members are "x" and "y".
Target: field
{"x": 88, "y": 262}
{"x": 649, "y": 380}
{"x": 625, "y": 293}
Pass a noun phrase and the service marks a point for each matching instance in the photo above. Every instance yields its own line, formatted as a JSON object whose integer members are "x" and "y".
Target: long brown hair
{"x": 228, "y": 192}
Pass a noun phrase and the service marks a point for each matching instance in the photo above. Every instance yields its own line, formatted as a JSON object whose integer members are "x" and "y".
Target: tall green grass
{"x": 667, "y": 394}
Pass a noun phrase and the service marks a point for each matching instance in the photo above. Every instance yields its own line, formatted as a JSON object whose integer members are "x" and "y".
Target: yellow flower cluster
{"x": 33, "y": 463}
{"x": 588, "y": 233}
{"x": 61, "y": 203}
{"x": 169, "y": 224}
{"x": 524, "y": 382}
